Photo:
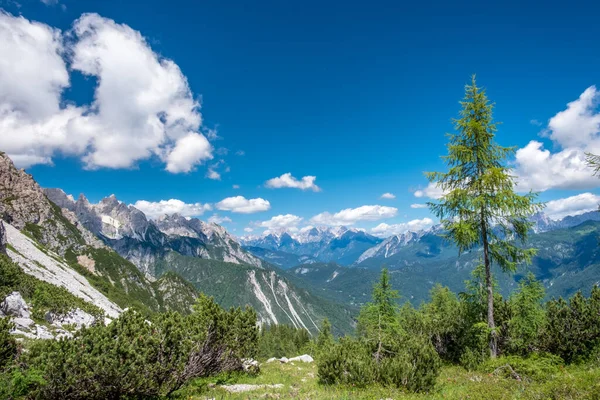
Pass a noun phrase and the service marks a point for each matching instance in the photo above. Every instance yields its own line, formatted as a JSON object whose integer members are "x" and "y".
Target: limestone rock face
{"x": 77, "y": 317}
{"x": 143, "y": 241}
{"x": 15, "y": 306}
{"x": 2, "y": 239}
{"x": 24, "y": 205}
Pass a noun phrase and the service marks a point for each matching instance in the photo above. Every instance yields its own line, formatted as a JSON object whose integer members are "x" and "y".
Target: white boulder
{"x": 14, "y": 306}
{"x": 303, "y": 358}
{"x": 76, "y": 317}
{"x": 22, "y": 323}
{"x": 251, "y": 366}
{"x": 41, "y": 332}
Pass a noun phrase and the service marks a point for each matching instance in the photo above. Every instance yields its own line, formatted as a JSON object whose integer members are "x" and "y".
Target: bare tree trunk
{"x": 490, "y": 292}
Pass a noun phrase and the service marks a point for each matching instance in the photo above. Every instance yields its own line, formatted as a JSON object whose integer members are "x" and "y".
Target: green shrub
{"x": 347, "y": 362}
{"x": 8, "y": 344}
{"x": 136, "y": 358}
{"x": 573, "y": 328}
{"x": 535, "y": 367}
{"x": 414, "y": 365}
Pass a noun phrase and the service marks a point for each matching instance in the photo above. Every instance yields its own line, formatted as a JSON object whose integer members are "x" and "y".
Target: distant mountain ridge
{"x": 143, "y": 241}
{"x": 339, "y": 244}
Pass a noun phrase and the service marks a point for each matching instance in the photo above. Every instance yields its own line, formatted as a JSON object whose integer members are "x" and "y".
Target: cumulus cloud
{"x": 288, "y": 181}
{"x": 239, "y": 204}
{"x": 212, "y": 174}
{"x": 574, "y": 131}
{"x": 350, "y": 216}
{"x": 248, "y": 229}
{"x": 143, "y": 106}
{"x": 574, "y": 205}
{"x": 418, "y": 205}
{"x": 288, "y": 222}
{"x": 415, "y": 225}
{"x": 217, "y": 219}
{"x": 155, "y": 209}
{"x": 432, "y": 191}
{"x": 388, "y": 196}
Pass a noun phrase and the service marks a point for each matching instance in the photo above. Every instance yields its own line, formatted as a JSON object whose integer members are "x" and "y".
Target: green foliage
{"x": 325, "y": 338}
{"x": 378, "y": 321}
{"x": 384, "y": 353}
{"x": 42, "y": 296}
{"x": 282, "y": 341}
{"x": 136, "y": 358}
{"x": 536, "y": 366}
{"x": 528, "y": 316}
{"x": 8, "y": 344}
{"x": 479, "y": 206}
{"x": 414, "y": 366}
{"x": 573, "y": 327}
{"x": 347, "y": 362}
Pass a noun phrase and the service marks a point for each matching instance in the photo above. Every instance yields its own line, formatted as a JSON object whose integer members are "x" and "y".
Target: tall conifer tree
{"x": 479, "y": 207}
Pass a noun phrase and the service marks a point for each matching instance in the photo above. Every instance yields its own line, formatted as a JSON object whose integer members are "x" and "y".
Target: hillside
{"x": 271, "y": 294}
{"x": 568, "y": 260}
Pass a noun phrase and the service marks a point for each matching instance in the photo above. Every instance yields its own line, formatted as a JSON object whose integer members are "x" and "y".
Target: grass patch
{"x": 300, "y": 381}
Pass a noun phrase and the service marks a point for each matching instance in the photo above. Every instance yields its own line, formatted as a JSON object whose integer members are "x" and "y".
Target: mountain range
{"x": 339, "y": 244}
{"x": 112, "y": 255}
{"x": 113, "y": 251}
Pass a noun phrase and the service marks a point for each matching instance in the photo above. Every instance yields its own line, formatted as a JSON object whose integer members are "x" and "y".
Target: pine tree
{"x": 325, "y": 338}
{"x": 378, "y": 320}
{"x": 479, "y": 206}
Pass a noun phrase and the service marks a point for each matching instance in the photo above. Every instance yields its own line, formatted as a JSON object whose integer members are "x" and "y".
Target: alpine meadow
{"x": 272, "y": 201}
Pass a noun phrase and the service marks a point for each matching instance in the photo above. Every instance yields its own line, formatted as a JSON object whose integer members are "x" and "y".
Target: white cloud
{"x": 350, "y": 216}
{"x": 288, "y": 222}
{"x": 415, "y": 225}
{"x": 432, "y": 191}
{"x": 236, "y": 186}
{"x": 388, "y": 196}
{"x": 217, "y": 219}
{"x": 535, "y": 122}
{"x": 212, "y": 174}
{"x": 239, "y": 204}
{"x": 157, "y": 209}
{"x": 142, "y": 107}
{"x": 574, "y": 131}
{"x": 418, "y": 205}
{"x": 240, "y": 153}
{"x": 248, "y": 229}
{"x": 288, "y": 181}
{"x": 574, "y": 205}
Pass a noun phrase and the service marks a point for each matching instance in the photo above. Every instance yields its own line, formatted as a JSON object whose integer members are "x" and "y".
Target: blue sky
{"x": 356, "y": 94}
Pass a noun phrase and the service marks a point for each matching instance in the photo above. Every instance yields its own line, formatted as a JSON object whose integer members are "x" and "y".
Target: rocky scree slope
{"x": 58, "y": 234}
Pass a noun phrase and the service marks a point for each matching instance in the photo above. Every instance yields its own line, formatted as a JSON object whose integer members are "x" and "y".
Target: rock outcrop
{"x": 14, "y": 306}
{"x": 2, "y": 239}
{"x": 24, "y": 205}
{"x": 143, "y": 241}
